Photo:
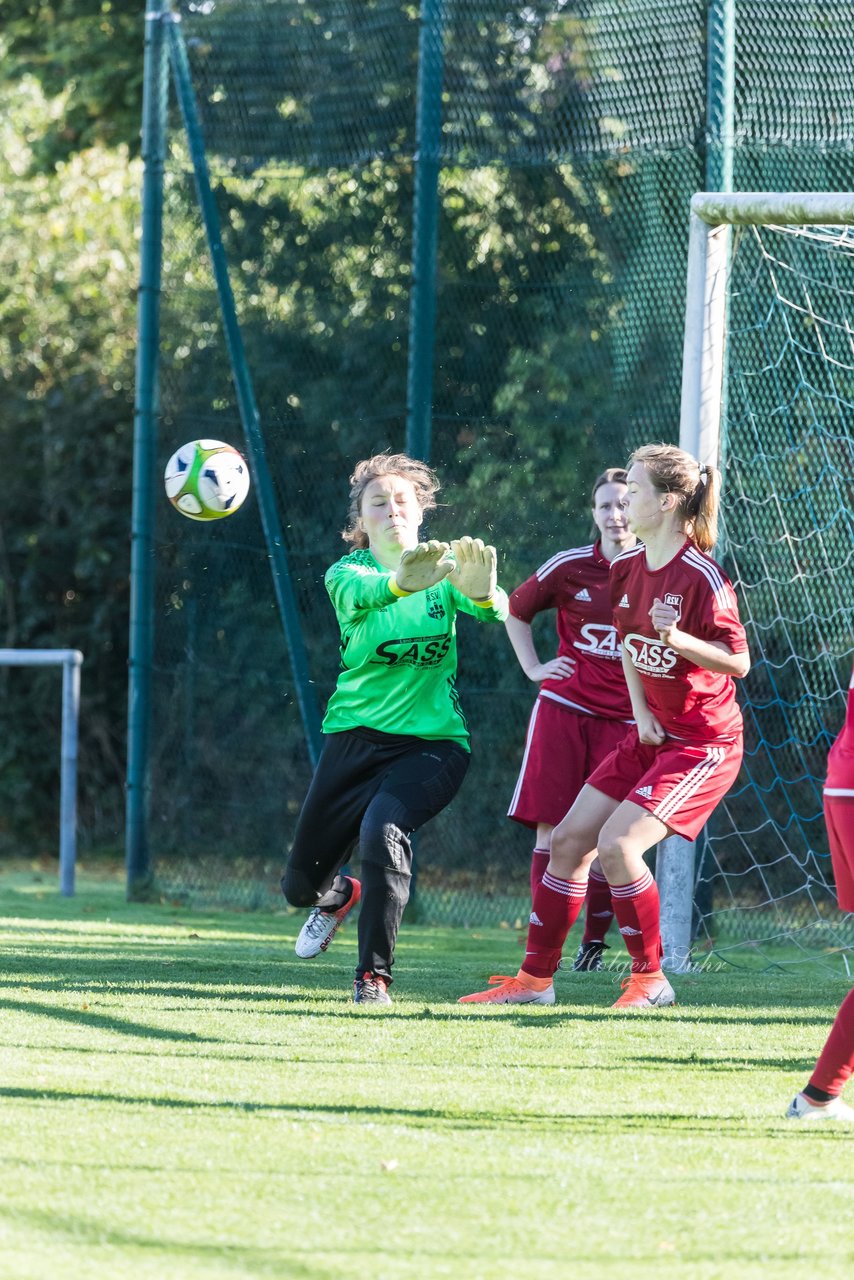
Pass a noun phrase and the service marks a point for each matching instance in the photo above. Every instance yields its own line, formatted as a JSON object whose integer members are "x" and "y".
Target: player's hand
{"x": 664, "y": 619}
{"x": 476, "y": 573}
{"x": 650, "y": 731}
{"x": 560, "y": 668}
{"x": 423, "y": 566}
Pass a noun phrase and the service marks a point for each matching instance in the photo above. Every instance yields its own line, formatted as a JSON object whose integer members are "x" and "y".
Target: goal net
{"x": 776, "y": 275}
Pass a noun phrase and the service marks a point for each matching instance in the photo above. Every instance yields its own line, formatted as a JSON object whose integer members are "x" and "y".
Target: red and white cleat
{"x": 321, "y": 926}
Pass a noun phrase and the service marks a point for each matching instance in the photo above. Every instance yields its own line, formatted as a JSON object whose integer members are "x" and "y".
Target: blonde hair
{"x": 697, "y": 488}
{"x": 423, "y": 479}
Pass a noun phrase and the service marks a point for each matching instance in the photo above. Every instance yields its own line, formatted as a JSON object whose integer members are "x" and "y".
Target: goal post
{"x": 71, "y": 661}
{"x": 713, "y": 216}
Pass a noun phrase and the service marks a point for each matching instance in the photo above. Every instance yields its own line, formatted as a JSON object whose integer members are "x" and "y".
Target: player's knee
{"x": 298, "y": 889}
{"x": 571, "y": 847}
{"x": 613, "y": 855}
{"x": 385, "y": 843}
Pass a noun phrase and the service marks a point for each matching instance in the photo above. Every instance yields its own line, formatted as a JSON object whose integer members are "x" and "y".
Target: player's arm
{"x": 355, "y": 589}
{"x": 712, "y": 655}
{"x": 650, "y": 730}
{"x": 522, "y": 639}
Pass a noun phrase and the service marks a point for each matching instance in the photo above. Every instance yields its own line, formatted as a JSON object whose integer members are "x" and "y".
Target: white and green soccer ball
{"x": 206, "y": 480}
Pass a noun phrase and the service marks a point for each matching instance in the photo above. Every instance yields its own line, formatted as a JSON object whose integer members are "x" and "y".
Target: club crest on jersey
{"x": 435, "y": 608}
{"x": 650, "y": 657}
{"x": 674, "y": 601}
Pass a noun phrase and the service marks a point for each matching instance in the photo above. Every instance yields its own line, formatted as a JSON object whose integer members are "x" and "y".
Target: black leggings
{"x": 372, "y": 789}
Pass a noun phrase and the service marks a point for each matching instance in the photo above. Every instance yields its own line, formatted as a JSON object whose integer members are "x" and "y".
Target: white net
{"x": 764, "y": 874}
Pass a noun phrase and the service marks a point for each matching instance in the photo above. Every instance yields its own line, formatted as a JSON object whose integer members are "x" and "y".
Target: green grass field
{"x": 182, "y": 1098}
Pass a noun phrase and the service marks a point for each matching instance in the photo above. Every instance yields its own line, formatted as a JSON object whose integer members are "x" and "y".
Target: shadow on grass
{"x": 99, "y": 1021}
{"x": 299, "y": 1258}
{"x": 157, "y": 929}
{"x": 697, "y": 1062}
{"x": 536, "y": 1121}
{"x": 92, "y": 1235}
{"x": 113, "y": 982}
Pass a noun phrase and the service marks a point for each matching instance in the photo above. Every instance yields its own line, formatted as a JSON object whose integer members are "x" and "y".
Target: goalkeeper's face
{"x": 391, "y": 516}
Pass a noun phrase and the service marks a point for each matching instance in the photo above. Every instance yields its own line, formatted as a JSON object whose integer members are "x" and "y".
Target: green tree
{"x": 87, "y": 54}
{"x": 67, "y": 337}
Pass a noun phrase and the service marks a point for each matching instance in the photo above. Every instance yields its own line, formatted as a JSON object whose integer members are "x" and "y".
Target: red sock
{"x": 598, "y": 911}
{"x": 539, "y": 862}
{"x": 556, "y": 907}
{"x": 836, "y": 1060}
{"x": 638, "y": 913}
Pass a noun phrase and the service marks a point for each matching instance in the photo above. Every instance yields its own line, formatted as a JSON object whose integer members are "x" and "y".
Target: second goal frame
{"x": 713, "y": 214}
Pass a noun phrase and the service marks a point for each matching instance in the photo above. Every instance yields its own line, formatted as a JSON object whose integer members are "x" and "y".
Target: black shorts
{"x": 364, "y": 774}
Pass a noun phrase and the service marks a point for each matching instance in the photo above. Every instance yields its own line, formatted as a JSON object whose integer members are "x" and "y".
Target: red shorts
{"x": 839, "y": 816}
{"x": 561, "y": 749}
{"x": 680, "y": 783}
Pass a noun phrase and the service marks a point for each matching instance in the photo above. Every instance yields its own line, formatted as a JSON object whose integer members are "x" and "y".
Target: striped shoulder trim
{"x": 563, "y": 557}
{"x": 723, "y": 592}
{"x": 627, "y": 555}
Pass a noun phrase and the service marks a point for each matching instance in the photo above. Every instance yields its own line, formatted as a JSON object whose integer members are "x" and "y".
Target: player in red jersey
{"x": 820, "y": 1099}
{"x": 582, "y": 709}
{"x": 677, "y": 618}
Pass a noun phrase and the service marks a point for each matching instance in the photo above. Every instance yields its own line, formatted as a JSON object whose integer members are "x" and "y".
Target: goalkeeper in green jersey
{"x": 396, "y": 741}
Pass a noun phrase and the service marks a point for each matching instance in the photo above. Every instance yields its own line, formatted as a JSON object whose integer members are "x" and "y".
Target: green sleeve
{"x": 497, "y": 612}
{"x": 355, "y": 589}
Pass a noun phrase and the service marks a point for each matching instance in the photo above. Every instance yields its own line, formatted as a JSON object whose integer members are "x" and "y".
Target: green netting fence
{"x": 568, "y": 142}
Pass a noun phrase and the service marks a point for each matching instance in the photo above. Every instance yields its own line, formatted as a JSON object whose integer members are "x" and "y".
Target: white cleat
{"x": 801, "y": 1108}
{"x": 321, "y": 926}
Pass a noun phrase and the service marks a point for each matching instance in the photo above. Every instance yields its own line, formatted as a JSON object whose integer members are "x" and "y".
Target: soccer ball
{"x": 206, "y": 480}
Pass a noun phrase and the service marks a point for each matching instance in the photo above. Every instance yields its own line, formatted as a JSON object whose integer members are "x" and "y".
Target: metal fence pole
{"x": 720, "y": 95}
{"x": 247, "y": 407}
{"x": 141, "y": 637}
{"x": 422, "y": 309}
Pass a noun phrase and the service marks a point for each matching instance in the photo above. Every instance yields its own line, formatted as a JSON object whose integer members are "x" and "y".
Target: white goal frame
{"x": 713, "y": 214}
{"x": 71, "y": 661}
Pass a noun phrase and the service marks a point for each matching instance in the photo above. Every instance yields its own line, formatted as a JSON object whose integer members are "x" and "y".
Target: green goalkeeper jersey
{"x": 398, "y": 654}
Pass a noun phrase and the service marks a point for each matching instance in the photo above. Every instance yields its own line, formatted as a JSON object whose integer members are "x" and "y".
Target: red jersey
{"x": 575, "y": 583}
{"x": 692, "y": 704}
{"x": 840, "y": 761}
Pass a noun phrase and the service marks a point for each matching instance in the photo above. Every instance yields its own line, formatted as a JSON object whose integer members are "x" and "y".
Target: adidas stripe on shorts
{"x": 680, "y": 783}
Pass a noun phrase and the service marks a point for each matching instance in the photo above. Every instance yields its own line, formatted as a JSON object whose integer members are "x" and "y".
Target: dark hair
{"x": 611, "y": 475}
{"x": 423, "y": 479}
{"x": 697, "y": 488}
